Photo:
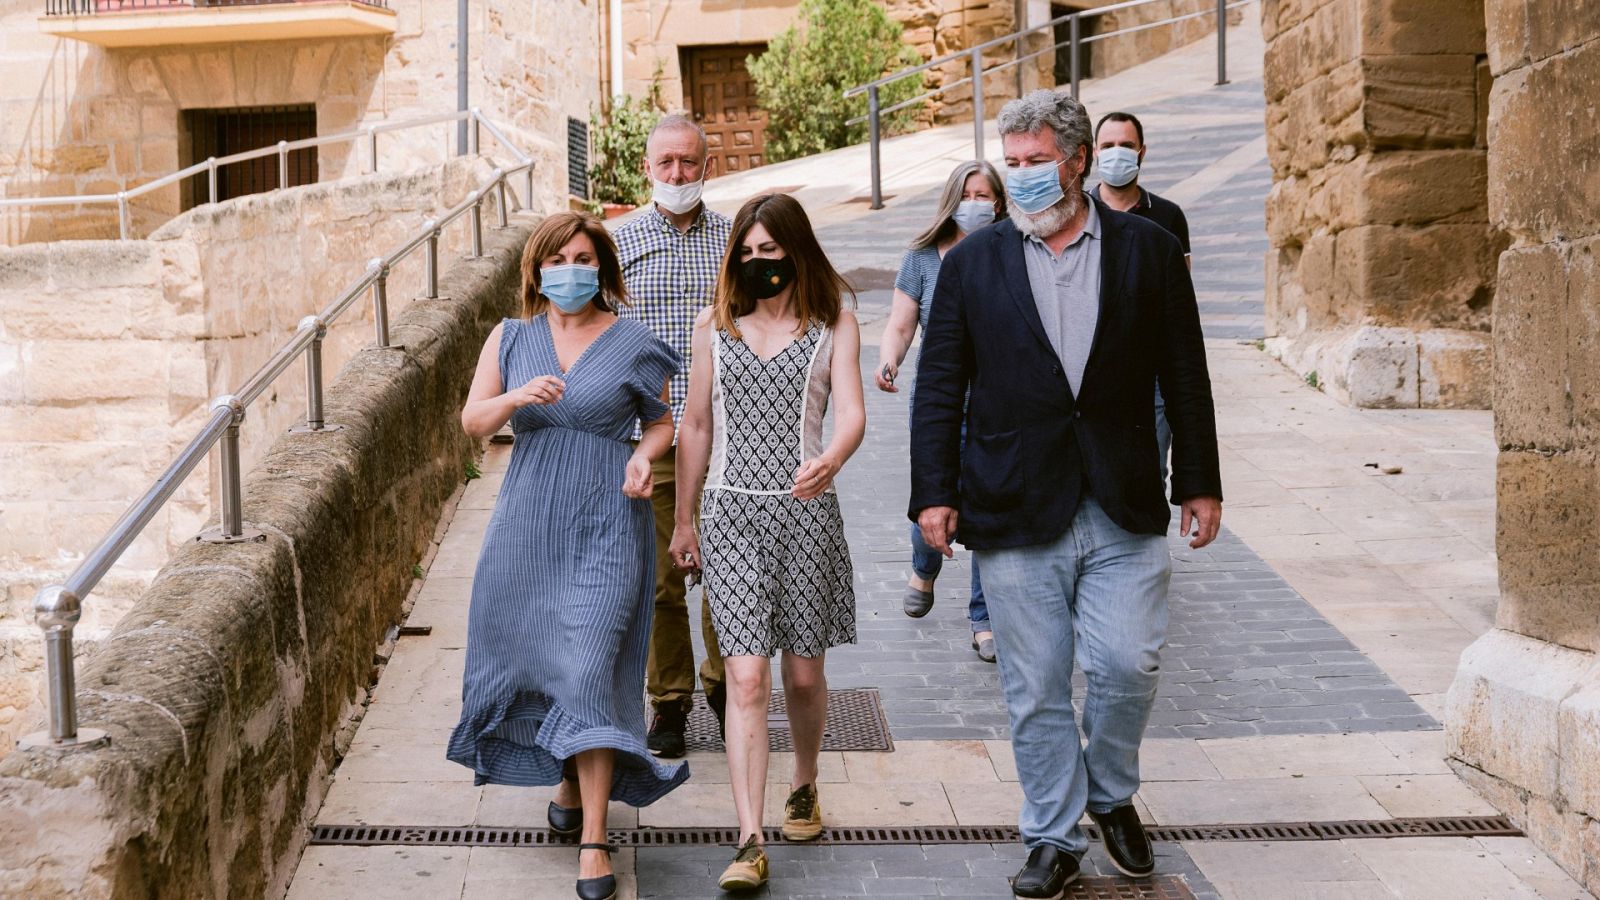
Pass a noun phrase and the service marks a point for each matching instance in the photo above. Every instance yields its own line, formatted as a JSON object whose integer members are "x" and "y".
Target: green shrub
{"x": 801, "y": 79}
{"x": 616, "y": 170}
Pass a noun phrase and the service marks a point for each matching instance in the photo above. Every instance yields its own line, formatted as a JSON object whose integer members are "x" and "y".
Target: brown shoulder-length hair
{"x": 548, "y": 239}
{"x": 819, "y": 289}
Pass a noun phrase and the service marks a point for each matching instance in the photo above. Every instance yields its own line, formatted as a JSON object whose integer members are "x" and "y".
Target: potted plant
{"x": 617, "y": 180}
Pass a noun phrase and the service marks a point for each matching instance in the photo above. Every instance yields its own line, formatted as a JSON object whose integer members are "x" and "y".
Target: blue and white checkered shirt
{"x": 671, "y": 275}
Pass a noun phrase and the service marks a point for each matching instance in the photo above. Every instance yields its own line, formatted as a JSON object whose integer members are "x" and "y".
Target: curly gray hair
{"x": 1065, "y": 117}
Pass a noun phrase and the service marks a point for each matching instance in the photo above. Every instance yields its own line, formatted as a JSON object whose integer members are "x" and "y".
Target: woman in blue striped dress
{"x": 562, "y": 599}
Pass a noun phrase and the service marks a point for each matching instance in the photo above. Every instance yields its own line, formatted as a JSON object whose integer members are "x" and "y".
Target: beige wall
{"x": 111, "y": 350}
{"x": 1524, "y": 712}
{"x": 1381, "y": 273}
{"x": 78, "y": 119}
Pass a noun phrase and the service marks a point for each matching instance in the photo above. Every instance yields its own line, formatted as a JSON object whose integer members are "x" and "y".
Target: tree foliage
{"x": 616, "y": 143}
{"x": 801, "y": 79}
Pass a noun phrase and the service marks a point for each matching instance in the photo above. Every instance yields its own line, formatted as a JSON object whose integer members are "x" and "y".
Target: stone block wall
{"x": 111, "y": 350}
{"x": 1524, "y": 712}
{"x": 79, "y": 119}
{"x": 226, "y": 687}
{"x": 1381, "y": 277}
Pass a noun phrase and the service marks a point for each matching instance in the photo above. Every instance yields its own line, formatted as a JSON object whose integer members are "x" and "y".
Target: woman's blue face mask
{"x": 1035, "y": 188}
{"x": 570, "y": 288}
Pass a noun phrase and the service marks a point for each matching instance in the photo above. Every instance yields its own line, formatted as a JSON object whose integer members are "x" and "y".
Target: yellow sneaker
{"x": 802, "y": 814}
{"x": 748, "y": 870}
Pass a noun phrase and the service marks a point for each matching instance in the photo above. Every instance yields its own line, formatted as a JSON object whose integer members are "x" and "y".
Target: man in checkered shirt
{"x": 671, "y": 256}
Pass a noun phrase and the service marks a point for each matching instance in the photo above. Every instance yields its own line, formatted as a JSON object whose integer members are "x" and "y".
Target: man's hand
{"x": 938, "y": 524}
{"x": 1206, "y": 515}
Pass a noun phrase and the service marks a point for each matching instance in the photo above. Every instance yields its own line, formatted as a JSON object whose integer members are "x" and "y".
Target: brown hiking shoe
{"x": 748, "y": 870}
{"x": 802, "y": 814}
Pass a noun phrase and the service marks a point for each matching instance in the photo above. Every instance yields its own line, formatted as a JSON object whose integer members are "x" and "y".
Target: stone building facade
{"x": 1434, "y": 245}
{"x": 676, "y": 40}
{"x": 1381, "y": 277}
{"x": 80, "y": 118}
{"x": 1524, "y": 712}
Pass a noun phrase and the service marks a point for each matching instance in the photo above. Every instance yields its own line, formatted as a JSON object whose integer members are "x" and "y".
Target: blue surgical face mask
{"x": 1119, "y": 166}
{"x": 971, "y": 215}
{"x": 570, "y": 288}
{"x": 1036, "y": 188}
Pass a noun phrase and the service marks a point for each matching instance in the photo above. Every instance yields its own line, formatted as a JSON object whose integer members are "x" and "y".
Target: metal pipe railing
{"x": 281, "y": 150}
{"x": 977, "y": 72}
{"x": 58, "y": 608}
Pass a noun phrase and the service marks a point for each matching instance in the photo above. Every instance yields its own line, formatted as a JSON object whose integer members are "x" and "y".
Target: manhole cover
{"x": 855, "y": 722}
{"x": 1161, "y": 887}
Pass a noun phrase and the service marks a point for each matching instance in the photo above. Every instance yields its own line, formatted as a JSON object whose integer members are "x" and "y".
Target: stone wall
{"x": 110, "y": 352}
{"x": 1382, "y": 270}
{"x": 1524, "y": 712}
{"x": 226, "y": 687}
{"x": 79, "y": 119}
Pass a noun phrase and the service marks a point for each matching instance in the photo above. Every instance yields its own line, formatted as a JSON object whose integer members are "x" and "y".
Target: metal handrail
{"x": 977, "y": 72}
{"x": 58, "y": 607}
{"x": 91, "y": 7}
{"x": 281, "y": 150}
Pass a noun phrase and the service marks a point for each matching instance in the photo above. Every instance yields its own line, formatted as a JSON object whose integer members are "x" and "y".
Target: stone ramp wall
{"x": 225, "y": 687}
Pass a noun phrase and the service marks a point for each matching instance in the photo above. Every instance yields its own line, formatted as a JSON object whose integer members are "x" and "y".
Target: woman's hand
{"x": 814, "y": 476}
{"x": 640, "y": 481}
{"x": 543, "y": 390}
{"x": 885, "y": 377}
{"x": 685, "y": 549}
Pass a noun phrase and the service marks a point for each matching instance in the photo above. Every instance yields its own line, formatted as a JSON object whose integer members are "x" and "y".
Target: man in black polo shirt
{"x": 1118, "y": 154}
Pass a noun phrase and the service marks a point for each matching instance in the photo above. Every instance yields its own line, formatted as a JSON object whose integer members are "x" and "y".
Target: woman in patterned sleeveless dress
{"x": 562, "y": 599}
{"x": 768, "y": 357}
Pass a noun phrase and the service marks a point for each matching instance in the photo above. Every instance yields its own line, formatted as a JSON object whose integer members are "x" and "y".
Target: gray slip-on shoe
{"x": 917, "y": 603}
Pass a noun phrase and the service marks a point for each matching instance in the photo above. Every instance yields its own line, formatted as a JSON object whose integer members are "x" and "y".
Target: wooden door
{"x": 722, "y": 97}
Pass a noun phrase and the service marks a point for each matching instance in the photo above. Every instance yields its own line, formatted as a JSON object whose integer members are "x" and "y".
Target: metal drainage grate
{"x": 855, "y": 723}
{"x": 1161, "y": 887}
{"x": 474, "y": 836}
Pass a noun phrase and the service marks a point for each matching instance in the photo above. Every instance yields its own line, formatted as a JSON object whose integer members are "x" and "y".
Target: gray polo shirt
{"x": 1066, "y": 289}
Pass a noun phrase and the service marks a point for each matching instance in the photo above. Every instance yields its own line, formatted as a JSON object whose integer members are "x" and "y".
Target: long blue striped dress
{"x": 565, "y": 587}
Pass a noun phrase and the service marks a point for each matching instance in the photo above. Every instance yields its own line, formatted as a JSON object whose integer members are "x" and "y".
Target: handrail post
{"x": 283, "y": 164}
{"x": 476, "y": 200}
{"x": 211, "y": 179}
{"x": 372, "y": 149}
{"x": 122, "y": 214}
{"x": 977, "y": 103}
{"x": 231, "y": 530}
{"x": 500, "y": 202}
{"x": 1077, "y": 51}
{"x": 875, "y": 132}
{"x": 314, "y": 421}
{"x": 529, "y": 204}
{"x": 430, "y": 256}
{"x": 473, "y": 133}
{"x": 1222, "y": 41}
{"x": 380, "y": 301}
{"x": 57, "y": 610}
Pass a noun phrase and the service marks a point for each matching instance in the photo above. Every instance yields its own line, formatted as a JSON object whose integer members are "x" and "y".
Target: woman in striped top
{"x": 562, "y": 599}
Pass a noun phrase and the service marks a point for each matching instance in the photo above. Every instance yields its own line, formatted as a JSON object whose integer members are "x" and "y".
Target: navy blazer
{"x": 1031, "y": 447}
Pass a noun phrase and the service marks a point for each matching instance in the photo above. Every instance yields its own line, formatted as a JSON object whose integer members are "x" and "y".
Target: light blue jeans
{"x": 1099, "y": 594}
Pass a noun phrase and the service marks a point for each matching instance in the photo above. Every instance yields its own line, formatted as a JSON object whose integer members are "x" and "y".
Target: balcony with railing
{"x": 158, "y": 23}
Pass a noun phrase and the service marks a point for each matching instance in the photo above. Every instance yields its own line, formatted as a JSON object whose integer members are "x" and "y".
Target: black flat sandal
{"x": 565, "y": 822}
{"x": 602, "y": 888}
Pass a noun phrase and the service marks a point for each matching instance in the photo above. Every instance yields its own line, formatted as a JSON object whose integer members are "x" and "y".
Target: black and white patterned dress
{"x": 777, "y": 569}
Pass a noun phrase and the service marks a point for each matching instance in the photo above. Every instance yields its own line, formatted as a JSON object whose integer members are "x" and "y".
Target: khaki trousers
{"x": 670, "y": 672}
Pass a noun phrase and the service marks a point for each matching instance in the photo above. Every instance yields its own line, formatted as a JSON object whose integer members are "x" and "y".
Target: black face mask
{"x": 764, "y": 279}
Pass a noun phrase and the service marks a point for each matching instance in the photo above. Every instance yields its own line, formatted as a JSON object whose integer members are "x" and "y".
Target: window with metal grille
{"x": 222, "y": 132}
{"x": 578, "y": 158}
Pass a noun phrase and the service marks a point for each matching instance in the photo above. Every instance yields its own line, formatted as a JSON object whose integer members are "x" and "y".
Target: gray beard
{"x": 1046, "y": 222}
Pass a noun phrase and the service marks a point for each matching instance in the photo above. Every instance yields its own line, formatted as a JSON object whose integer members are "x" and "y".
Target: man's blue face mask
{"x": 1036, "y": 188}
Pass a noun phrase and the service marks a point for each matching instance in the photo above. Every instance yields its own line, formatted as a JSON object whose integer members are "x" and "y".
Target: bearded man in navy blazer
{"x": 1061, "y": 321}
